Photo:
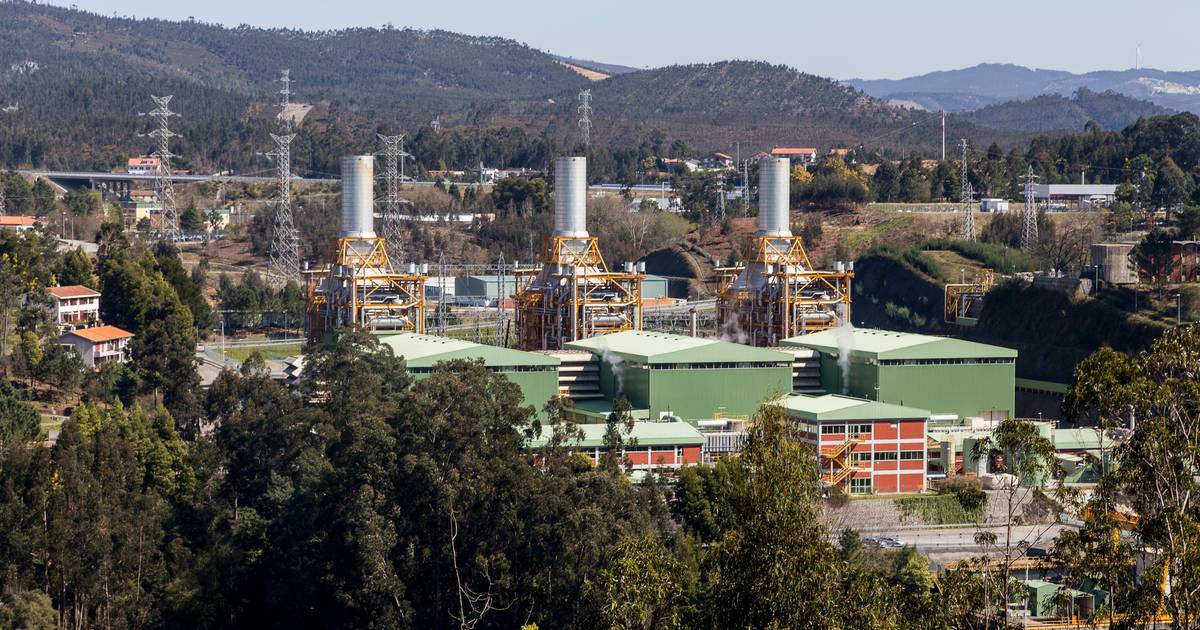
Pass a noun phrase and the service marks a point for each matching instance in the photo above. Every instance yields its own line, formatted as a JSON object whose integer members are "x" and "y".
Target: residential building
{"x": 798, "y": 155}
{"x": 18, "y": 223}
{"x": 717, "y": 161}
{"x": 142, "y": 166}
{"x": 74, "y": 306}
{"x": 863, "y": 446}
{"x": 98, "y": 345}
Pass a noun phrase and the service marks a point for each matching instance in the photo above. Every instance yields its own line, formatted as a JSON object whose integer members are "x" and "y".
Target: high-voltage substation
{"x": 363, "y": 287}
{"x": 571, "y": 294}
{"x": 776, "y": 293}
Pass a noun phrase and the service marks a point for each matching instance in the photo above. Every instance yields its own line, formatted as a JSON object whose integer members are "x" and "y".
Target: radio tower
{"x": 585, "y": 116}
{"x": 1029, "y": 216}
{"x": 163, "y": 186}
{"x": 967, "y": 198}
{"x": 284, "y": 264}
{"x": 393, "y": 177}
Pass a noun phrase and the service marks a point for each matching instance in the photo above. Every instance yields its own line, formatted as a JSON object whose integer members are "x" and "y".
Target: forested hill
{"x": 1109, "y": 110}
{"x": 359, "y": 63}
{"x": 756, "y": 104}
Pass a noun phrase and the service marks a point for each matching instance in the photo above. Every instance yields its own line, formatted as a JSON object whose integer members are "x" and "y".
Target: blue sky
{"x": 838, "y": 38}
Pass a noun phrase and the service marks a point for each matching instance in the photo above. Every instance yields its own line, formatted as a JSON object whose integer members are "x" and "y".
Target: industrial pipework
{"x": 777, "y": 294}
{"x": 362, "y": 287}
{"x": 571, "y": 294}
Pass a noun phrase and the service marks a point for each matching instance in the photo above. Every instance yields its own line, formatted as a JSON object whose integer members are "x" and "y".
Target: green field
{"x": 273, "y": 352}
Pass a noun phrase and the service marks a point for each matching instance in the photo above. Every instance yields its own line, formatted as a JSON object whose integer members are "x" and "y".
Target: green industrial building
{"x": 535, "y": 374}
{"x": 689, "y": 377}
{"x": 945, "y": 375}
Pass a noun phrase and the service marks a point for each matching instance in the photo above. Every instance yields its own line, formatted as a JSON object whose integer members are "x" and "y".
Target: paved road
{"x": 963, "y": 538}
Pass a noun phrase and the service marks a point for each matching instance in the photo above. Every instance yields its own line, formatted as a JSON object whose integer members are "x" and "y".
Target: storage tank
{"x": 774, "y": 194}
{"x": 570, "y": 197}
{"x": 1114, "y": 265}
{"x": 358, "y": 196}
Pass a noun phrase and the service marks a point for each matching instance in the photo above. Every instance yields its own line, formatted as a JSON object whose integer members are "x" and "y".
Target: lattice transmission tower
{"x": 3, "y": 210}
{"x": 284, "y": 263}
{"x": 163, "y": 186}
{"x": 393, "y": 177}
{"x": 585, "y": 116}
{"x": 1029, "y": 216}
{"x": 967, "y": 197}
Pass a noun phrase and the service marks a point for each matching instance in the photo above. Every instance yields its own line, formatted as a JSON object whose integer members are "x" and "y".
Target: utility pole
{"x": 943, "y": 112}
{"x": 746, "y": 188}
{"x": 3, "y": 211}
{"x": 393, "y": 175}
{"x": 966, "y": 196}
{"x": 1029, "y": 216}
{"x": 585, "y": 116}
{"x": 163, "y": 186}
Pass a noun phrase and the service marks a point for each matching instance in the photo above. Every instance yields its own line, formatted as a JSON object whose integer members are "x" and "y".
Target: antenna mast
{"x": 1029, "y": 215}
{"x": 585, "y": 116}
{"x": 163, "y": 186}
{"x": 393, "y": 177}
{"x": 966, "y": 196}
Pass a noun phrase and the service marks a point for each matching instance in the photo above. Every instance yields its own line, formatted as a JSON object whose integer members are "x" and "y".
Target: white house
{"x": 142, "y": 165}
{"x": 75, "y": 306}
{"x": 98, "y": 345}
{"x": 17, "y": 223}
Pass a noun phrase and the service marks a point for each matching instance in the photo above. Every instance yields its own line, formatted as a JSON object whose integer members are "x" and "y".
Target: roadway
{"x": 938, "y": 539}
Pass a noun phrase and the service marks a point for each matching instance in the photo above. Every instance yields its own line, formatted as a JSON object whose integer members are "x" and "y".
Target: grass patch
{"x": 941, "y": 509}
{"x": 865, "y": 237}
{"x": 274, "y": 352}
{"x": 997, "y": 257}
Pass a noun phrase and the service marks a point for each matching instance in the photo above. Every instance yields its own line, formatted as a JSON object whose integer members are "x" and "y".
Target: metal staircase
{"x": 806, "y": 371}
{"x": 578, "y": 375}
{"x": 836, "y": 467}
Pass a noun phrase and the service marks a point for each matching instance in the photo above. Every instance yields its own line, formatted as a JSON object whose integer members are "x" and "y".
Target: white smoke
{"x": 614, "y": 361}
{"x": 845, "y": 344}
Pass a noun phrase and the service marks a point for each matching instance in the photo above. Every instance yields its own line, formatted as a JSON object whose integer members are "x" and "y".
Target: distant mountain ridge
{"x": 957, "y": 90}
{"x": 1052, "y": 112}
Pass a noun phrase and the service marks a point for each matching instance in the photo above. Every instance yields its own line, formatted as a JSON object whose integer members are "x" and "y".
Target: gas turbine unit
{"x": 777, "y": 294}
{"x": 571, "y": 294}
{"x": 363, "y": 287}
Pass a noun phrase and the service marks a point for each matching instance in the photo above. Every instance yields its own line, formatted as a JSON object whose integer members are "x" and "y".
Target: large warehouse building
{"x": 944, "y": 375}
{"x": 686, "y": 376}
{"x": 536, "y": 374}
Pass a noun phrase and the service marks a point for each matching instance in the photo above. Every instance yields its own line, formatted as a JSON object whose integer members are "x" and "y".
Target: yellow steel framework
{"x": 777, "y": 294}
{"x": 572, "y": 295}
{"x": 961, "y": 299}
{"x": 361, "y": 288}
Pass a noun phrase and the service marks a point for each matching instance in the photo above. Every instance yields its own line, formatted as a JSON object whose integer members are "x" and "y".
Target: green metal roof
{"x": 646, "y": 434}
{"x": 423, "y": 351}
{"x": 886, "y": 344}
{"x": 654, "y": 347}
{"x": 834, "y": 407}
{"x": 1079, "y": 439}
{"x": 1042, "y": 386}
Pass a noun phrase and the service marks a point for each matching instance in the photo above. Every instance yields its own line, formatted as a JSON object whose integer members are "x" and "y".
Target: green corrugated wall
{"x": 963, "y": 389}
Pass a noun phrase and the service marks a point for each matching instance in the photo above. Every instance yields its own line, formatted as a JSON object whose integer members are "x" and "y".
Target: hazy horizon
{"x": 882, "y": 40}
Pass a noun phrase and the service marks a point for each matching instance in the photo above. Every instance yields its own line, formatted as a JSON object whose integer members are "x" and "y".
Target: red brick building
{"x": 653, "y": 445}
{"x": 864, "y": 446}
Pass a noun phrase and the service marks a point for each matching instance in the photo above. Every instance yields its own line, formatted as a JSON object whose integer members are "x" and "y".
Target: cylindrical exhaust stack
{"x": 358, "y": 196}
{"x": 570, "y": 197}
{"x": 774, "y": 196}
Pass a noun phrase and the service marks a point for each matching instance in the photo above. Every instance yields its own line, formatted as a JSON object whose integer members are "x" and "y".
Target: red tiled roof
{"x": 791, "y": 150}
{"x": 14, "y": 221}
{"x": 143, "y": 161}
{"x": 101, "y": 333}
{"x": 72, "y": 291}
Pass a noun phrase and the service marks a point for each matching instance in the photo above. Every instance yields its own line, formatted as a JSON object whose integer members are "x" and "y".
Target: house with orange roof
{"x": 74, "y": 306}
{"x": 98, "y": 345}
{"x": 142, "y": 165}
{"x": 18, "y": 223}
{"x": 798, "y": 155}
